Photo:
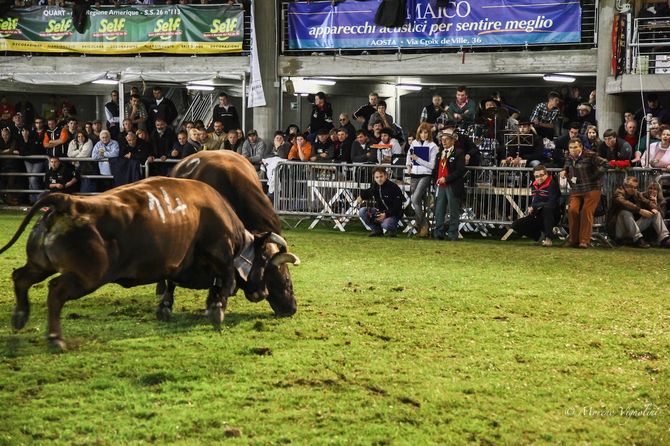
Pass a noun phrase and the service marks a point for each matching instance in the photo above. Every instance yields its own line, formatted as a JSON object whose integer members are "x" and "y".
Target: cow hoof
{"x": 216, "y": 315}
{"x": 19, "y": 319}
{"x": 56, "y": 344}
{"x": 163, "y": 314}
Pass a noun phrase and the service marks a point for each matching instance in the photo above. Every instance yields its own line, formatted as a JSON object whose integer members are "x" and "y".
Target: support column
{"x": 609, "y": 107}
{"x": 266, "y": 119}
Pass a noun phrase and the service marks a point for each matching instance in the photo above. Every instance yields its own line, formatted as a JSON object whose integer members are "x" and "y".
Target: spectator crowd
{"x": 451, "y": 135}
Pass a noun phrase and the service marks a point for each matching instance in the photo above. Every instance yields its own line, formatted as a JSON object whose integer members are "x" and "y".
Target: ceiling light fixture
{"x": 108, "y": 79}
{"x": 319, "y": 81}
{"x": 409, "y": 87}
{"x": 558, "y": 78}
{"x": 199, "y": 87}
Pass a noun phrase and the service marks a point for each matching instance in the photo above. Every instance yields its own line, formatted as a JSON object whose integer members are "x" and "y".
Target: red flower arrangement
{"x": 619, "y": 164}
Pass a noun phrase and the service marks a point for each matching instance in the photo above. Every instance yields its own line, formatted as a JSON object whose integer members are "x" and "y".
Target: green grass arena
{"x": 396, "y": 342}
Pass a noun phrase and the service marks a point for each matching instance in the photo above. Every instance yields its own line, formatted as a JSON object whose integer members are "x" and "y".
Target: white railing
{"x": 648, "y": 49}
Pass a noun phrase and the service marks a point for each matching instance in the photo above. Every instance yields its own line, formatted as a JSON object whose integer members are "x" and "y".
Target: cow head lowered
{"x": 267, "y": 275}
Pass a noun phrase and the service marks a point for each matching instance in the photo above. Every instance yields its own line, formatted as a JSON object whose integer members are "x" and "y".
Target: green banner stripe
{"x": 150, "y": 28}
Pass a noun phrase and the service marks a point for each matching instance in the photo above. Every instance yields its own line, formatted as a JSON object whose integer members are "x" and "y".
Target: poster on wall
{"x": 455, "y": 23}
{"x": 179, "y": 29}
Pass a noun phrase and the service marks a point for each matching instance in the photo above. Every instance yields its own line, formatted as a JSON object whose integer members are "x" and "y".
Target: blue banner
{"x": 351, "y": 24}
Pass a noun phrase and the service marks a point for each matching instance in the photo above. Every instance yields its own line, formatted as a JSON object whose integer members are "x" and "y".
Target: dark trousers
{"x": 540, "y": 221}
{"x": 447, "y": 197}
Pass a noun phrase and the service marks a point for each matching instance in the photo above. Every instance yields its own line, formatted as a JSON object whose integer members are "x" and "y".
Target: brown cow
{"x": 159, "y": 228}
{"x": 235, "y": 178}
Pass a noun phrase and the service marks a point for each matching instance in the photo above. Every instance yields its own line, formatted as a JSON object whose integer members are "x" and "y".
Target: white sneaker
{"x": 547, "y": 242}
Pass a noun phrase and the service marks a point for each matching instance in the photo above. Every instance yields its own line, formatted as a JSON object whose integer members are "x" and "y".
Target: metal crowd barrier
{"x": 145, "y": 169}
{"x": 495, "y": 196}
{"x": 327, "y": 192}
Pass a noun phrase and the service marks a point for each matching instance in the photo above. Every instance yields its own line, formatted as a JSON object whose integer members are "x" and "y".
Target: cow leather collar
{"x": 245, "y": 256}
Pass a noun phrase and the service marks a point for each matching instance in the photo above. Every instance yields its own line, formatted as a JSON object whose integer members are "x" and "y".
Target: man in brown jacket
{"x": 584, "y": 171}
{"x": 631, "y": 213}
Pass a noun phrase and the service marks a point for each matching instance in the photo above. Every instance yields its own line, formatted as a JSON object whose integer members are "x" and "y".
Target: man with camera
{"x": 387, "y": 208}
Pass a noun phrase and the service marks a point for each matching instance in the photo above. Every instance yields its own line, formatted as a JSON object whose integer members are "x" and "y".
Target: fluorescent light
{"x": 558, "y": 78}
{"x": 105, "y": 81}
{"x": 108, "y": 79}
{"x": 199, "y": 87}
{"x": 318, "y": 81}
{"x": 409, "y": 87}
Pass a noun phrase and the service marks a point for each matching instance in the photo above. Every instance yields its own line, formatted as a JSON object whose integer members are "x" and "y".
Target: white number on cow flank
{"x": 190, "y": 167}
{"x": 181, "y": 207}
{"x": 155, "y": 204}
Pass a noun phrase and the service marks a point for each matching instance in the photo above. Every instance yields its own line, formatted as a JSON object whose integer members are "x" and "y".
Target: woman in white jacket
{"x": 421, "y": 158}
{"x": 82, "y": 147}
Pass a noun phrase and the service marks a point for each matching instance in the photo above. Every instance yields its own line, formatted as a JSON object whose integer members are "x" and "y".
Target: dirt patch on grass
{"x": 410, "y": 401}
{"x": 261, "y": 351}
{"x": 642, "y": 356}
{"x": 155, "y": 379}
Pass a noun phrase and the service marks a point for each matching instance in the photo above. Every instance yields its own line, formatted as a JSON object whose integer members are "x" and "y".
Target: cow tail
{"x": 55, "y": 201}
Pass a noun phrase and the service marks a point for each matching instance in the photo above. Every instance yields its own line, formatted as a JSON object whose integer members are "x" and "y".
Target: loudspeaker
{"x": 288, "y": 85}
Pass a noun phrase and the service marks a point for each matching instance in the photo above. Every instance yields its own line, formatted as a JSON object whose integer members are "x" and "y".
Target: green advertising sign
{"x": 177, "y": 29}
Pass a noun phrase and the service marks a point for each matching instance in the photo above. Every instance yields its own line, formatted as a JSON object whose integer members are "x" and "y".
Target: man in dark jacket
{"x": 614, "y": 148}
{"x": 322, "y": 115}
{"x": 543, "y": 210}
{"x": 342, "y": 149}
{"x": 322, "y": 149}
{"x": 557, "y": 157}
{"x": 363, "y": 114}
{"x": 162, "y": 140}
{"x": 136, "y": 152}
{"x": 61, "y": 177}
{"x": 387, "y": 209}
{"x": 361, "y": 152}
{"x": 30, "y": 144}
{"x": 226, "y": 112}
{"x": 161, "y": 108}
{"x": 182, "y": 148}
{"x": 450, "y": 186}
{"x": 630, "y": 213}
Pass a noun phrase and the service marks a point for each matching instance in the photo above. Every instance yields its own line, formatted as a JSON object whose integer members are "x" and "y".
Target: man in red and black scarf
{"x": 542, "y": 213}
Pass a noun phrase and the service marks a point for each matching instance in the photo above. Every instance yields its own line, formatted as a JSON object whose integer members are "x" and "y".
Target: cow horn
{"x": 285, "y": 257}
{"x": 278, "y": 239}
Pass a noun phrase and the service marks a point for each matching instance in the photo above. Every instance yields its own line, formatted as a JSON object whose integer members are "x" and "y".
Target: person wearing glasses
{"x": 345, "y": 123}
{"x": 631, "y": 213}
{"x": 542, "y": 213}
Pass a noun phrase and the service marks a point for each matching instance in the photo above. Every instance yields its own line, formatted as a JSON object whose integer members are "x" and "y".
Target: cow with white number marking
{"x": 156, "y": 229}
{"x": 236, "y": 180}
